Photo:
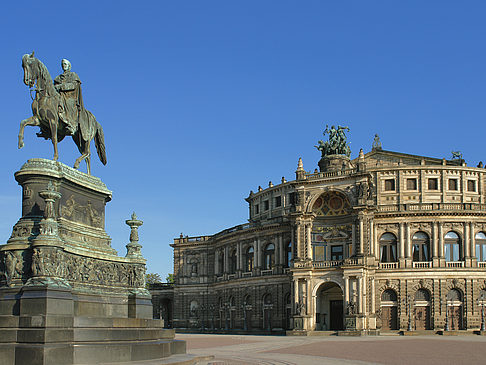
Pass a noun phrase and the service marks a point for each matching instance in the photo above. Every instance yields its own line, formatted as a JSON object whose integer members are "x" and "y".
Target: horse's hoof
{"x": 21, "y": 144}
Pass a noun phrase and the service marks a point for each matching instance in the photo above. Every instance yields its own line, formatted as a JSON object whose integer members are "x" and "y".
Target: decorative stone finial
{"x": 134, "y": 248}
{"x": 283, "y": 180}
{"x": 300, "y": 165}
{"x": 48, "y": 225}
{"x": 270, "y": 184}
{"x": 300, "y": 173}
{"x": 260, "y": 188}
{"x": 361, "y": 153}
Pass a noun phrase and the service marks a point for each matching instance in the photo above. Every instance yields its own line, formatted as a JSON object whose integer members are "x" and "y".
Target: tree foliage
{"x": 153, "y": 278}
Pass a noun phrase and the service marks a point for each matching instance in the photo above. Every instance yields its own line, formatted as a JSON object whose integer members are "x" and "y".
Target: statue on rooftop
{"x": 337, "y": 143}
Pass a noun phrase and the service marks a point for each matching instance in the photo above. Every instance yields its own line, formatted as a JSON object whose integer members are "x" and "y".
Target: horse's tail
{"x": 100, "y": 143}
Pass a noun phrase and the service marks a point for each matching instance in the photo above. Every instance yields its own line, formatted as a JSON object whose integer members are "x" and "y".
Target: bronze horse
{"x": 45, "y": 109}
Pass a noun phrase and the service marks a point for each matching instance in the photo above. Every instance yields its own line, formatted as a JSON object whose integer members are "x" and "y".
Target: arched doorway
{"x": 389, "y": 310}
{"x": 454, "y": 309}
{"x": 329, "y": 307}
{"x": 267, "y": 312}
{"x": 422, "y": 309}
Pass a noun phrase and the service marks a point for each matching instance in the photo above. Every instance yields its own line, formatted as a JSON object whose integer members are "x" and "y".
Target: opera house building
{"x": 387, "y": 241}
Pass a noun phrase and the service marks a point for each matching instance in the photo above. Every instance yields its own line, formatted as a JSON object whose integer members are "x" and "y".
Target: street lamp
{"x": 226, "y": 310}
{"x": 481, "y": 303}
{"x": 446, "y": 325}
{"x": 409, "y": 314}
{"x": 245, "y": 326}
{"x": 211, "y": 309}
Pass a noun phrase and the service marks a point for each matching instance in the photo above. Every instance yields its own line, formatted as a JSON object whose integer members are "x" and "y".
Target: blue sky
{"x": 202, "y": 101}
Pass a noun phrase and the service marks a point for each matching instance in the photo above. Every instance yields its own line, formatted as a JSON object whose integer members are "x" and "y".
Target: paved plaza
{"x": 394, "y": 350}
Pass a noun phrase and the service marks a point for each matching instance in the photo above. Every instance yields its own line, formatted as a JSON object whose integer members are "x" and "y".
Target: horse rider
{"x": 68, "y": 85}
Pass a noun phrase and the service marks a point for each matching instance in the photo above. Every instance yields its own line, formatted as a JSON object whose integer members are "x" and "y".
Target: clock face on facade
{"x": 331, "y": 204}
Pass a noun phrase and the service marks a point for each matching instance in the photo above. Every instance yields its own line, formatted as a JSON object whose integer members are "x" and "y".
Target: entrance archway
{"x": 422, "y": 310}
{"x": 389, "y": 310}
{"x": 454, "y": 308}
{"x": 329, "y": 307}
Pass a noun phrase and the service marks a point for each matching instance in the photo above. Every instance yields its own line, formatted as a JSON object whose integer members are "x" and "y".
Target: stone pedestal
{"x": 334, "y": 163}
{"x": 66, "y": 297}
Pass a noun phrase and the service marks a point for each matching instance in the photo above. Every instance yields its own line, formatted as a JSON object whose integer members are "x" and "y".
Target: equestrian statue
{"x": 58, "y": 110}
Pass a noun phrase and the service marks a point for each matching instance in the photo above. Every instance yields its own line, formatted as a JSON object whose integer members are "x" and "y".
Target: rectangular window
{"x": 433, "y": 183}
{"x": 336, "y": 253}
{"x": 453, "y": 185}
{"x": 266, "y": 205}
{"x": 291, "y": 198}
{"x": 452, "y": 251}
{"x": 390, "y": 185}
{"x": 257, "y": 208}
{"x": 411, "y": 184}
{"x": 471, "y": 185}
{"x": 278, "y": 201}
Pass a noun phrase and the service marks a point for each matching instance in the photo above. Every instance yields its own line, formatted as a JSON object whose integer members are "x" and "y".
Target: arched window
{"x": 288, "y": 254}
{"x": 421, "y": 247}
{"x": 232, "y": 261}
{"x": 454, "y": 295}
{"x": 452, "y": 246}
{"x": 269, "y": 256}
{"x": 422, "y": 295}
{"x": 389, "y": 295}
{"x": 482, "y": 297}
{"x": 221, "y": 261}
{"x": 388, "y": 248}
{"x": 249, "y": 258}
{"x": 267, "y": 299}
{"x": 480, "y": 240}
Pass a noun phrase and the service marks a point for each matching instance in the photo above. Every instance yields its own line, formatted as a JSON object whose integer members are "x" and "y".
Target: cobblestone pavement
{"x": 282, "y": 350}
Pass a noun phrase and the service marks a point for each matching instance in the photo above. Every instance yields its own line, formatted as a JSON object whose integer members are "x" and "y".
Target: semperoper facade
{"x": 387, "y": 241}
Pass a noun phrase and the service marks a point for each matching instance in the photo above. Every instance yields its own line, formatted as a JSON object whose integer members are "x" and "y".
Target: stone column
{"x": 361, "y": 235}
{"x": 257, "y": 253}
{"x": 466, "y": 243}
{"x": 372, "y": 240}
{"x": 401, "y": 243}
{"x": 346, "y": 292}
{"x": 376, "y": 243}
{"x": 353, "y": 239}
{"x": 216, "y": 262}
{"x": 360, "y": 295}
{"x": 239, "y": 261}
{"x": 226, "y": 259}
{"x": 441, "y": 245}
{"x": 435, "y": 245}
{"x": 473, "y": 241}
{"x": 281, "y": 249}
{"x": 372, "y": 295}
{"x": 309, "y": 241}
{"x": 408, "y": 245}
{"x": 298, "y": 246}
